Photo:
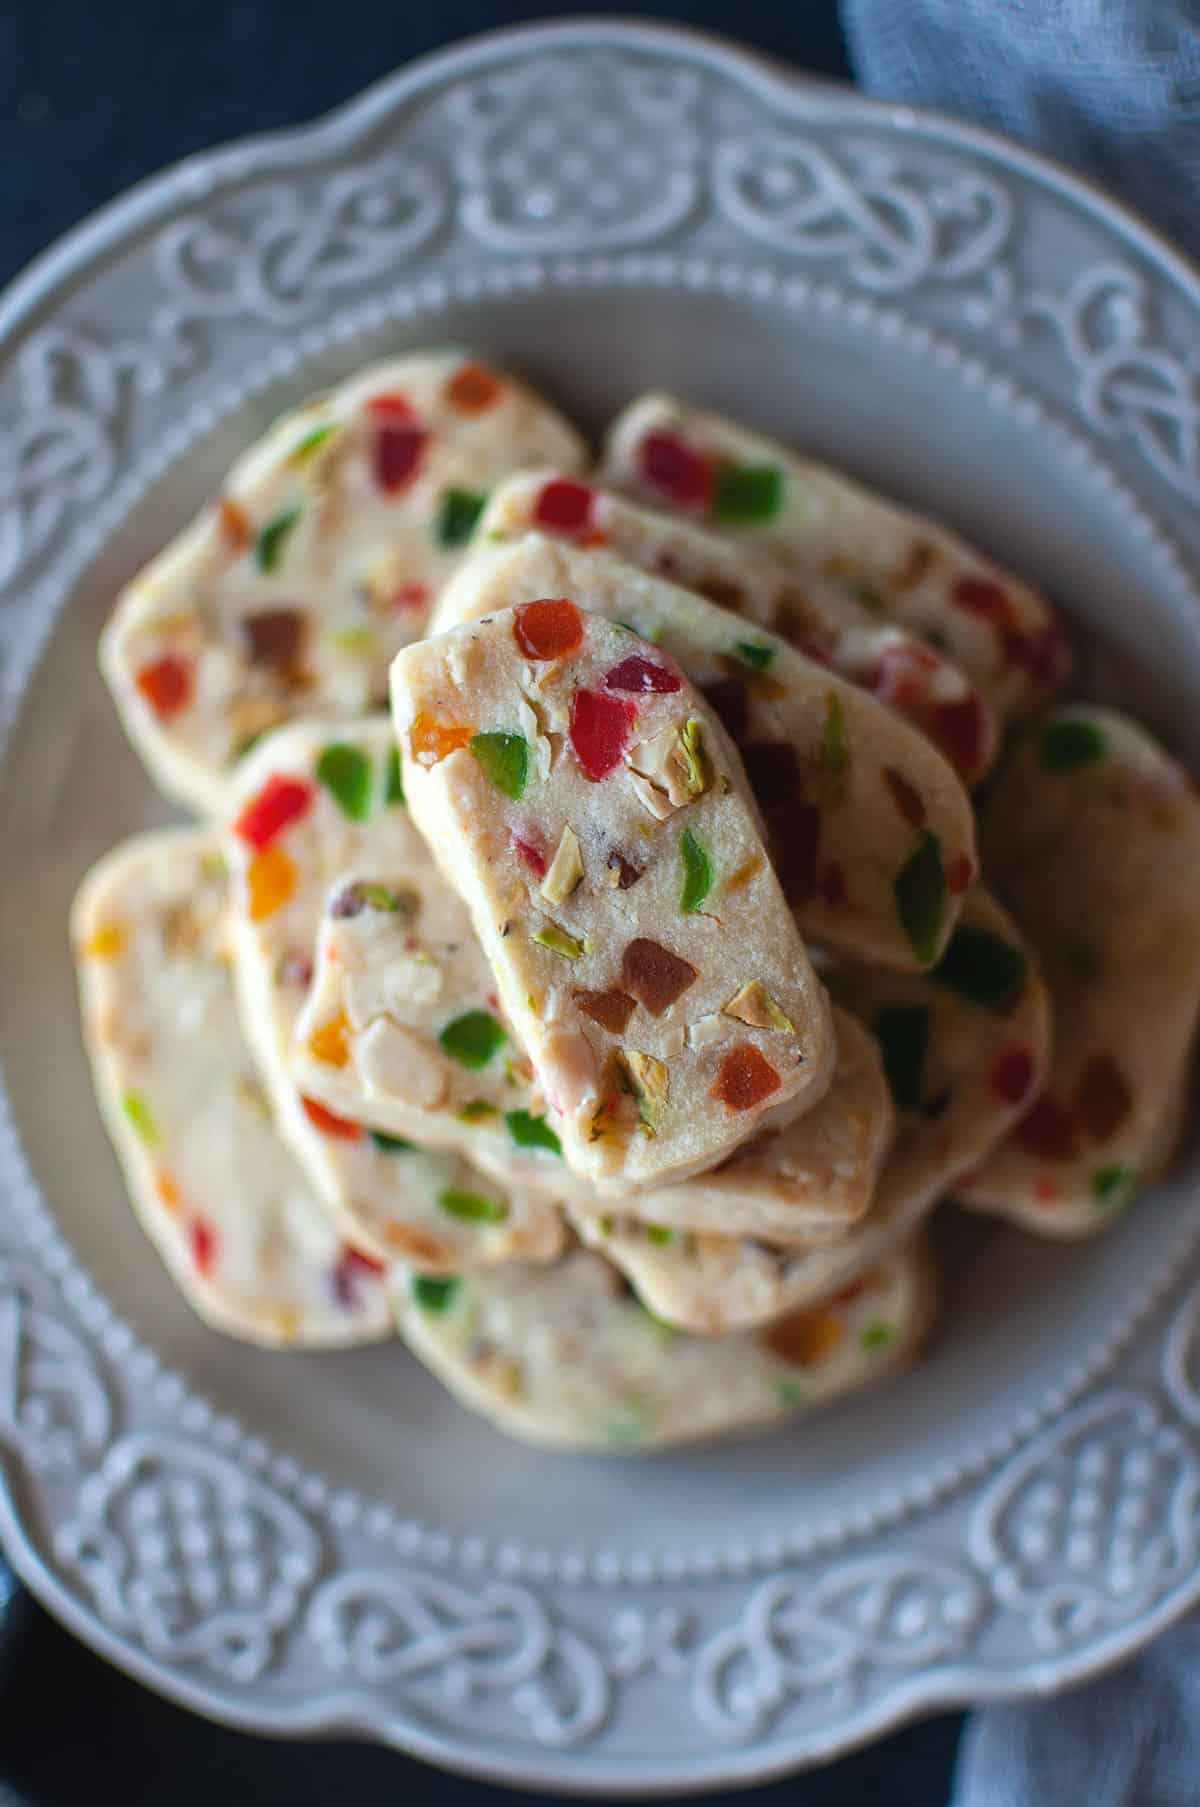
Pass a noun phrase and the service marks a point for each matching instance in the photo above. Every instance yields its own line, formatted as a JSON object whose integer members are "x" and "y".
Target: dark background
{"x": 95, "y": 95}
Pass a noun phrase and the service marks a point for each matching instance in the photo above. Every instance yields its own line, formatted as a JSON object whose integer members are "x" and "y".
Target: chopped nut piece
{"x": 671, "y": 768}
{"x": 391, "y": 1060}
{"x": 707, "y": 1030}
{"x": 754, "y": 1004}
{"x": 651, "y": 1086}
{"x": 566, "y": 869}
{"x": 560, "y": 941}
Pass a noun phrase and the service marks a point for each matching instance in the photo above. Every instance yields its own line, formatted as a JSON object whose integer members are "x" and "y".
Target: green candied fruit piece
{"x": 311, "y": 444}
{"x": 393, "y": 790}
{"x": 790, "y": 1393}
{"x": 835, "y": 744}
{"x": 472, "y": 1207}
{"x": 472, "y": 1039}
{"x": 1114, "y": 1187}
{"x": 697, "y": 872}
{"x": 752, "y": 654}
{"x": 902, "y": 1031}
{"x": 1066, "y": 745}
{"x": 356, "y": 639}
{"x": 982, "y": 968}
{"x": 270, "y": 544}
{"x": 557, "y": 940}
{"x": 528, "y": 1131}
{"x": 505, "y": 759}
{"x": 433, "y": 1293}
{"x": 877, "y": 1336}
{"x": 920, "y": 892}
{"x": 458, "y": 513}
{"x": 136, "y": 1107}
{"x": 390, "y": 1144}
{"x": 659, "y": 1234}
{"x": 476, "y": 1110}
{"x": 628, "y": 1426}
{"x": 746, "y": 495}
{"x": 345, "y": 771}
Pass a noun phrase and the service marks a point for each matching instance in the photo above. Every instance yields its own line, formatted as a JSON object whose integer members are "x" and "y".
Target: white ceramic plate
{"x": 309, "y": 1543}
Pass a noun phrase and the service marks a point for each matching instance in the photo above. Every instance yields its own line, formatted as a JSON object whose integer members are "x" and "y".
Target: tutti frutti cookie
{"x": 318, "y": 560}
{"x": 584, "y": 800}
{"x": 871, "y": 833}
{"x": 316, "y": 800}
{"x": 565, "y": 1356}
{"x": 966, "y": 1047}
{"x": 878, "y": 560}
{"x": 217, "y": 1193}
{"x": 1093, "y": 838}
{"x": 906, "y": 673}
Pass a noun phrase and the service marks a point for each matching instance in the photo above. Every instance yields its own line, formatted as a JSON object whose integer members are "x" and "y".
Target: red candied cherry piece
{"x": 601, "y": 729}
{"x": 166, "y": 685}
{"x": 960, "y": 874}
{"x": 328, "y": 1124}
{"x": 960, "y": 730}
{"x": 745, "y": 1078}
{"x": 1103, "y": 1097}
{"x": 1045, "y": 655}
{"x": 654, "y": 975}
{"x": 1048, "y": 1131}
{"x": 638, "y": 676}
{"x": 411, "y": 596}
{"x": 352, "y": 1267}
{"x": 671, "y": 466}
{"x": 1012, "y": 1074}
{"x": 400, "y": 442}
{"x": 530, "y": 855}
{"x": 280, "y": 802}
{"x": 551, "y": 628}
{"x": 565, "y": 507}
{"x": 204, "y": 1245}
{"x": 984, "y": 597}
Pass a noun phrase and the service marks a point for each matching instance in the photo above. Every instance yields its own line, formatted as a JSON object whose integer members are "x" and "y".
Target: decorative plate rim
{"x": 653, "y": 1651}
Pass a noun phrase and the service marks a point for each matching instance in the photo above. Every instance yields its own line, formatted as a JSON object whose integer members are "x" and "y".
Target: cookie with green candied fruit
{"x": 1093, "y": 838}
{"x": 230, "y": 1212}
{"x": 319, "y": 559}
{"x": 585, "y": 802}
{"x": 965, "y": 1047}
{"x": 906, "y": 673}
{"x": 566, "y": 1357}
{"x": 870, "y": 831}
{"x": 317, "y": 800}
{"x": 844, "y": 540}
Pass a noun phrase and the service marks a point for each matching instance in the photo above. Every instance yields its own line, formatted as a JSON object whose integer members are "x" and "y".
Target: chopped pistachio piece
{"x": 651, "y": 1086}
{"x": 754, "y": 1005}
{"x": 566, "y": 869}
{"x": 560, "y": 941}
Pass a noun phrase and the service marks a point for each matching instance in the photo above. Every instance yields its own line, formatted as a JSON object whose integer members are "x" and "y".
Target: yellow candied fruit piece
{"x": 106, "y": 943}
{"x": 745, "y": 874}
{"x": 331, "y": 1042}
{"x": 168, "y": 1191}
{"x": 271, "y": 879}
{"x": 286, "y": 1322}
{"x": 432, "y": 740}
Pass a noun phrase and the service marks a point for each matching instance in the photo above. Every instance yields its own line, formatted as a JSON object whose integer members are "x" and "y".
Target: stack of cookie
{"x": 611, "y": 1015}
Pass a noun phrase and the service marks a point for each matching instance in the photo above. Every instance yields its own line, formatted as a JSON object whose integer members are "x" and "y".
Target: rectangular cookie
{"x": 236, "y": 1223}
{"x": 586, "y": 803}
{"x": 313, "y": 801}
{"x": 320, "y": 558}
{"x": 832, "y": 531}
{"x": 1093, "y": 838}
{"x": 871, "y": 833}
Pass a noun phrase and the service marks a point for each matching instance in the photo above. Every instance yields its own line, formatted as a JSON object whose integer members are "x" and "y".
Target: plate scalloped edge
{"x": 310, "y": 1609}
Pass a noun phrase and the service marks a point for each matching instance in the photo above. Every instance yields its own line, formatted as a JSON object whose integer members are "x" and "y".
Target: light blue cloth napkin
{"x": 1113, "y": 88}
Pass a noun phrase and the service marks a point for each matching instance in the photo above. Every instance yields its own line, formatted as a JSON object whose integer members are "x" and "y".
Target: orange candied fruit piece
{"x": 433, "y": 741}
{"x": 745, "y": 1078}
{"x": 236, "y": 525}
{"x": 550, "y": 628}
{"x": 272, "y": 878}
{"x": 331, "y": 1042}
{"x": 167, "y": 1189}
{"x": 166, "y": 684}
{"x": 473, "y": 389}
{"x": 327, "y": 1123}
{"x": 806, "y": 1338}
{"x": 106, "y": 943}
